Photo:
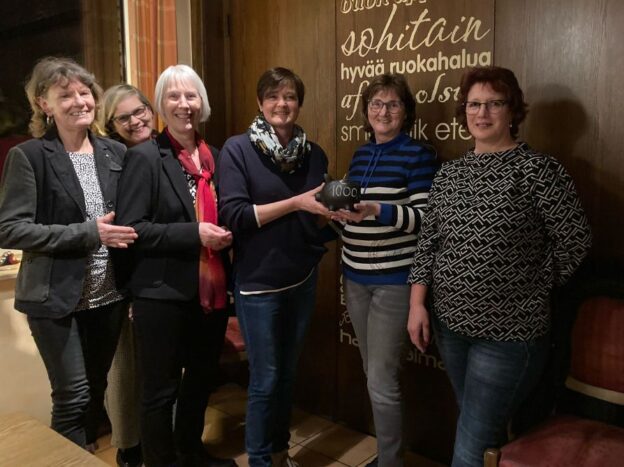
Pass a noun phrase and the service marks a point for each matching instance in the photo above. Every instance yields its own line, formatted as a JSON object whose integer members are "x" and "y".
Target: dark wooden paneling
{"x": 102, "y": 41}
{"x": 30, "y": 31}
{"x": 297, "y": 34}
{"x": 210, "y": 18}
{"x": 569, "y": 59}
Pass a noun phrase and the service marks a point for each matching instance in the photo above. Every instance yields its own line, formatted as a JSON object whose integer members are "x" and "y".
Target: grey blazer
{"x": 43, "y": 213}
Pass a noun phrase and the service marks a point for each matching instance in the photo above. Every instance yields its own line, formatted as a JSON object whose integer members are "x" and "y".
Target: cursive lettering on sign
{"x": 419, "y": 33}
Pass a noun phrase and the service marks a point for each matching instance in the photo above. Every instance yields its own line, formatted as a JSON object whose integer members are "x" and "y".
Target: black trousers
{"x": 174, "y": 336}
{"x": 77, "y": 351}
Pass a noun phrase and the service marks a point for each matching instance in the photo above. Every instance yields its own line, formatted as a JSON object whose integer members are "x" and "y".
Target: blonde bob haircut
{"x": 111, "y": 99}
{"x": 181, "y": 73}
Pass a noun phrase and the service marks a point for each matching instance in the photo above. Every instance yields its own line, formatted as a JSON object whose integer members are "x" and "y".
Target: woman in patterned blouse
{"x": 504, "y": 225}
{"x": 57, "y": 202}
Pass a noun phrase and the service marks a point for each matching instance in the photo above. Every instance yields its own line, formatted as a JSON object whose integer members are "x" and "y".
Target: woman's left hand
{"x": 418, "y": 326}
{"x": 307, "y": 202}
{"x": 362, "y": 211}
{"x": 214, "y": 237}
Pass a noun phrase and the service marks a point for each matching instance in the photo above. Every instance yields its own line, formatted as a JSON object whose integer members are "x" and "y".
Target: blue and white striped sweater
{"x": 397, "y": 174}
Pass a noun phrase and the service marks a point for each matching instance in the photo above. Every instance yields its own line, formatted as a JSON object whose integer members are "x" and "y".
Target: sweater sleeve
{"x": 236, "y": 209}
{"x": 421, "y": 271}
{"x": 567, "y": 227}
{"x": 407, "y": 215}
{"x": 18, "y": 209}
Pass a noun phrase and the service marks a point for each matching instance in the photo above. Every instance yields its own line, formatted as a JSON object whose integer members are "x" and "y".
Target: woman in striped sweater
{"x": 379, "y": 239}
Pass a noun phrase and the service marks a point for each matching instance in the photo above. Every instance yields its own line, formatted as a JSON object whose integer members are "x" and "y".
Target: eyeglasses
{"x": 124, "y": 119}
{"x": 494, "y": 107}
{"x": 393, "y": 107}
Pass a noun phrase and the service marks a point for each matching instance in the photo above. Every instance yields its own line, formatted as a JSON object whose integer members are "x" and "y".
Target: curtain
{"x": 152, "y": 43}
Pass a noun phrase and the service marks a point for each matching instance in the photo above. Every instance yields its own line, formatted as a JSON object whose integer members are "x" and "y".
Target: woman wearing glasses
{"x": 379, "y": 238}
{"x": 504, "y": 225}
{"x": 128, "y": 118}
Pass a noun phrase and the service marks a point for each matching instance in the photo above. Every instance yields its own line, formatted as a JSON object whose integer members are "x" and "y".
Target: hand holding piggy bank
{"x": 339, "y": 194}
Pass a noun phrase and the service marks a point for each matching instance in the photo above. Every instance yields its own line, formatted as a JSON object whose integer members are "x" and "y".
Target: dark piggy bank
{"x": 339, "y": 194}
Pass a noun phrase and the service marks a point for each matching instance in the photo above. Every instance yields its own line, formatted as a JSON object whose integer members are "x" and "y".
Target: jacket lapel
{"x": 176, "y": 176}
{"x": 104, "y": 163}
{"x": 64, "y": 169}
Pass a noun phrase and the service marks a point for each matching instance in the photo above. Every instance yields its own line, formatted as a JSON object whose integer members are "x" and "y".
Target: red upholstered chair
{"x": 233, "y": 363}
{"x": 594, "y": 389}
{"x": 234, "y": 343}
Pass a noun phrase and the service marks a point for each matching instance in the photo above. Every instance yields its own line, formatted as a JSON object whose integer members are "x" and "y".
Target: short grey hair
{"x": 186, "y": 74}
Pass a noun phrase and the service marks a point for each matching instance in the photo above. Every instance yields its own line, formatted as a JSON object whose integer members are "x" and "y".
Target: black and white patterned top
{"x": 190, "y": 182}
{"x": 99, "y": 284}
{"x": 501, "y": 229}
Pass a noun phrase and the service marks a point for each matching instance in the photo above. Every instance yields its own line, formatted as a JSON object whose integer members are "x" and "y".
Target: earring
{"x": 49, "y": 120}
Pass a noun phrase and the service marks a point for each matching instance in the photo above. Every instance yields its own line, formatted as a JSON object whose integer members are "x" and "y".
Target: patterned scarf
{"x": 212, "y": 281}
{"x": 289, "y": 158}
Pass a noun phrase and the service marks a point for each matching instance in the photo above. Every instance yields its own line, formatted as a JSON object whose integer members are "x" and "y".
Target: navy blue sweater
{"x": 283, "y": 252}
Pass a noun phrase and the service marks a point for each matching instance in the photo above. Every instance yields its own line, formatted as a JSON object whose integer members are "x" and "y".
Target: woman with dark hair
{"x": 269, "y": 177}
{"x": 504, "y": 225}
{"x": 379, "y": 239}
{"x": 57, "y": 202}
{"x": 128, "y": 117}
{"x": 178, "y": 280}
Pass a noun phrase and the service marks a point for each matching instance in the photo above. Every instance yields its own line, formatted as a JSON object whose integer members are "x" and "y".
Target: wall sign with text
{"x": 431, "y": 42}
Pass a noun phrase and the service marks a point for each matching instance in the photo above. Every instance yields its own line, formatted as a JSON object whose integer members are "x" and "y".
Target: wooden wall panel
{"x": 297, "y": 34}
{"x": 569, "y": 58}
{"x": 102, "y": 42}
{"x": 209, "y": 21}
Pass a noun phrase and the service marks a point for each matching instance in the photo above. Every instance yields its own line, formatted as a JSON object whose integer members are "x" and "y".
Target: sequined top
{"x": 99, "y": 284}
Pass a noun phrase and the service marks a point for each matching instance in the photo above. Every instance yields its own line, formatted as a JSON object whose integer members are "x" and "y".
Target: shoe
{"x": 372, "y": 463}
{"x": 289, "y": 462}
{"x": 130, "y": 457}
{"x": 210, "y": 461}
{"x": 203, "y": 459}
{"x": 282, "y": 459}
{"x": 92, "y": 447}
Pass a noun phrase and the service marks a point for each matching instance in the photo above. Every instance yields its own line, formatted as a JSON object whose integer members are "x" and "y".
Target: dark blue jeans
{"x": 490, "y": 379}
{"x": 273, "y": 326}
{"x": 77, "y": 351}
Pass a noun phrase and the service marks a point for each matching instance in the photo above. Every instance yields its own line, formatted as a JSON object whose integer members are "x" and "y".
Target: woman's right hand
{"x": 114, "y": 236}
{"x": 418, "y": 326}
{"x": 214, "y": 237}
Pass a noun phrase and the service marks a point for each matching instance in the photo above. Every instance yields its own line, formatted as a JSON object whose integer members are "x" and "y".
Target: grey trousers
{"x": 379, "y": 317}
{"x": 123, "y": 394}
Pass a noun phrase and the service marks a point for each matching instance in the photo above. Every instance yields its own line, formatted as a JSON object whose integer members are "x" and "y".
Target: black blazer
{"x": 154, "y": 198}
{"x": 43, "y": 213}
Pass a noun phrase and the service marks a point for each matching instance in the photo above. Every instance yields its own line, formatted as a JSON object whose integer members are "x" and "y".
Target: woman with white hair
{"x": 178, "y": 281}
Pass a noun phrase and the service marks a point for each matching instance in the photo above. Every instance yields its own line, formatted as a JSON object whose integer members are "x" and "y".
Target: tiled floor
{"x": 315, "y": 442}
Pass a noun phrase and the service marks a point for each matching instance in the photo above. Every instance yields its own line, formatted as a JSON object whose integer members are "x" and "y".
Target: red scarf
{"x": 212, "y": 281}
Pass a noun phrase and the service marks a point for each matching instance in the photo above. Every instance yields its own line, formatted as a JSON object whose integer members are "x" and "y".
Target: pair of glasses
{"x": 393, "y": 107}
{"x": 124, "y": 119}
{"x": 494, "y": 107}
